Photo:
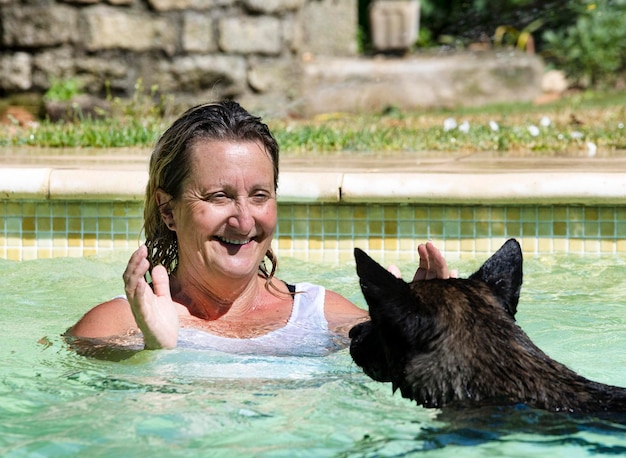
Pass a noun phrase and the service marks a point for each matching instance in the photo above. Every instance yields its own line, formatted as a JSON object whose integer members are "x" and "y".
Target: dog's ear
{"x": 503, "y": 273}
{"x": 380, "y": 287}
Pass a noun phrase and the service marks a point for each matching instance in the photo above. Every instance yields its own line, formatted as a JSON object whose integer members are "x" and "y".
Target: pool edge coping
{"x": 388, "y": 186}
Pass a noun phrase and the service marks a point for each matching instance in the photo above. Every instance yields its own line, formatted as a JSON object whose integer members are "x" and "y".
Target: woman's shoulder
{"x": 333, "y": 302}
{"x": 111, "y": 318}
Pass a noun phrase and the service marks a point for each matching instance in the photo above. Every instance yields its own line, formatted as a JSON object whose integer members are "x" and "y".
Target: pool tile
{"x": 544, "y": 245}
{"x": 375, "y": 243}
{"x": 32, "y": 229}
{"x": 390, "y": 244}
{"x": 576, "y": 246}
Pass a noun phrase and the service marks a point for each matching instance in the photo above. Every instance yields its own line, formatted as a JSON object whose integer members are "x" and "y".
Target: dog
{"x": 455, "y": 342}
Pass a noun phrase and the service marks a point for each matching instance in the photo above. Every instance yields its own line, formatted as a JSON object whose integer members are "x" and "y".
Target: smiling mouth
{"x": 233, "y": 241}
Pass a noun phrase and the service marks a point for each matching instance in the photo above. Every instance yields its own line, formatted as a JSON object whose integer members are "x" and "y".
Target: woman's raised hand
{"x": 432, "y": 264}
{"x": 154, "y": 311}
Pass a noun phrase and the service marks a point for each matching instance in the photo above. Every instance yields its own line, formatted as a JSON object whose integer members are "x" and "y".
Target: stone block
{"x": 104, "y": 27}
{"x": 226, "y": 75}
{"x": 16, "y": 71}
{"x": 38, "y": 26}
{"x": 265, "y": 75}
{"x": 554, "y": 81}
{"x": 330, "y": 27}
{"x": 168, "y": 5}
{"x": 198, "y": 35}
{"x": 273, "y": 6}
{"x": 244, "y": 35}
{"x": 94, "y": 72}
{"x": 52, "y": 63}
{"x": 293, "y": 36}
{"x": 155, "y": 71}
{"x": 394, "y": 24}
{"x": 463, "y": 79}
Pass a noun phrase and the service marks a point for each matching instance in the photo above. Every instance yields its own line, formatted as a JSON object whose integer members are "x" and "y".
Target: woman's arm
{"x": 111, "y": 318}
{"x": 152, "y": 312}
{"x": 342, "y": 314}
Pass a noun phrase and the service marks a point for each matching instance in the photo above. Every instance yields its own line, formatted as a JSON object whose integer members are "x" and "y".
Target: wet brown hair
{"x": 170, "y": 165}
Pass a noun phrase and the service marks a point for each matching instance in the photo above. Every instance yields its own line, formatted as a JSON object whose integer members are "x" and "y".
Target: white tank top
{"x": 305, "y": 334}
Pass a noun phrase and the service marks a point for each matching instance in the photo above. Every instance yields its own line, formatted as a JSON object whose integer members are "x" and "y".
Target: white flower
{"x": 449, "y": 124}
{"x": 464, "y": 127}
{"x": 545, "y": 122}
{"x": 534, "y": 130}
{"x": 576, "y": 135}
{"x": 620, "y": 125}
{"x": 494, "y": 126}
{"x": 591, "y": 149}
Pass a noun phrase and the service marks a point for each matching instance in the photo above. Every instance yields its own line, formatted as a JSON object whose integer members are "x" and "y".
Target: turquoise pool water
{"x": 199, "y": 403}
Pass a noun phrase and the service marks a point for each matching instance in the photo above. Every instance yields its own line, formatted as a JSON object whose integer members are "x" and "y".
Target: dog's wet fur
{"x": 455, "y": 343}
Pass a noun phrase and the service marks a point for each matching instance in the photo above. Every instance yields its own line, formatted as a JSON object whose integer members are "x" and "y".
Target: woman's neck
{"x": 215, "y": 299}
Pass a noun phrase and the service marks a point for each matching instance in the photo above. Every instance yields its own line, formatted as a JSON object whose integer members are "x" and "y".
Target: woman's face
{"x": 226, "y": 216}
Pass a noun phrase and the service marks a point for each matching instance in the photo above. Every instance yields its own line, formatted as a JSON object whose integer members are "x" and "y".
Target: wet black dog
{"x": 455, "y": 342}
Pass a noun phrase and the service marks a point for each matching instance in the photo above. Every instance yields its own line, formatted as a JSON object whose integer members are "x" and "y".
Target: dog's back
{"x": 456, "y": 342}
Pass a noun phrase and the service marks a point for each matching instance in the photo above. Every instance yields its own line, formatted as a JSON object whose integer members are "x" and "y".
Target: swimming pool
{"x": 200, "y": 403}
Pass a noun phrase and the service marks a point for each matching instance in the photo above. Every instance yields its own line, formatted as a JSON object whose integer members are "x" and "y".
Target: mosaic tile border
{"x": 49, "y": 229}
{"x": 328, "y": 232}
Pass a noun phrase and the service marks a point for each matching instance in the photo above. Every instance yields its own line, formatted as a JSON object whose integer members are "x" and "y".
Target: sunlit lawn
{"x": 577, "y": 124}
{"x": 572, "y": 125}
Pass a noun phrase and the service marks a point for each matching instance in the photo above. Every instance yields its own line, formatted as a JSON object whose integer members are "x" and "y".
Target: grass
{"x": 574, "y": 122}
{"x": 103, "y": 133}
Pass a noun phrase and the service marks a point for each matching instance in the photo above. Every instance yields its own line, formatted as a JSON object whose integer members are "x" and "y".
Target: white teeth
{"x": 235, "y": 242}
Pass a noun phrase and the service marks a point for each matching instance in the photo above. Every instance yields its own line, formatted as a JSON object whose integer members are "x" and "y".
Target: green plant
{"x": 62, "y": 89}
{"x": 460, "y": 22}
{"x": 593, "y": 50}
{"x": 522, "y": 39}
{"x": 144, "y": 103}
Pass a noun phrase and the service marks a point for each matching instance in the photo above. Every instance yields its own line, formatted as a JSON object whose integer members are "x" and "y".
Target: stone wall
{"x": 194, "y": 50}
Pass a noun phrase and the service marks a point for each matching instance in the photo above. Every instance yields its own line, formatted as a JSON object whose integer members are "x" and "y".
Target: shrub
{"x": 466, "y": 21}
{"x": 592, "y": 51}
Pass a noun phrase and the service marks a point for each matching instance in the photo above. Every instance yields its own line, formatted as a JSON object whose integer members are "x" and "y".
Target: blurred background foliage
{"x": 586, "y": 39}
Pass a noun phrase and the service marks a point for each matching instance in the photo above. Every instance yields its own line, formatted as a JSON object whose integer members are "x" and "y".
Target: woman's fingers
{"x": 395, "y": 271}
{"x": 138, "y": 265}
{"x": 432, "y": 264}
{"x": 154, "y": 311}
{"x": 160, "y": 281}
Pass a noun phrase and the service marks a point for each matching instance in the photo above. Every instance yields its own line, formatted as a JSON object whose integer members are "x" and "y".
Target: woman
{"x": 210, "y": 215}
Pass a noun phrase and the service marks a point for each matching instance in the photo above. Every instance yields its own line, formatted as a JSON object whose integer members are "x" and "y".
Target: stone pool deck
{"x": 454, "y": 178}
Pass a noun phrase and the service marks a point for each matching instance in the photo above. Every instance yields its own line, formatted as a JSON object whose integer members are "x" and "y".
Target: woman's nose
{"x": 242, "y": 218}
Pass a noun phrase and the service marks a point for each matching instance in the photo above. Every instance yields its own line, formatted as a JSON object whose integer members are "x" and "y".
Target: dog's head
{"x": 437, "y": 340}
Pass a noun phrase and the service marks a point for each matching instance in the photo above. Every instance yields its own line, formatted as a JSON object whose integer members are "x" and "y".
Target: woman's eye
{"x": 261, "y": 197}
{"x": 216, "y": 197}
